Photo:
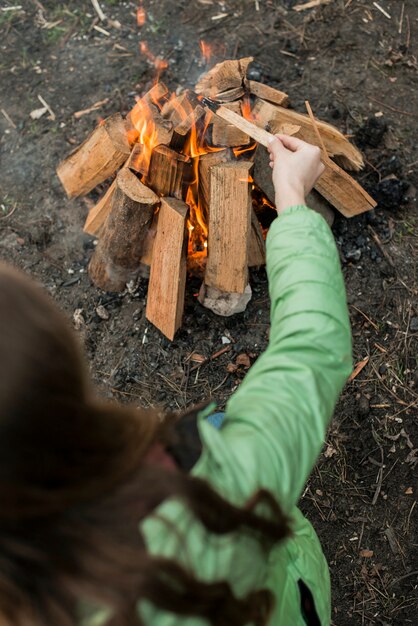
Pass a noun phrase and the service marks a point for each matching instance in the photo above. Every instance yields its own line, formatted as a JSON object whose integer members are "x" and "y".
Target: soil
{"x": 358, "y": 68}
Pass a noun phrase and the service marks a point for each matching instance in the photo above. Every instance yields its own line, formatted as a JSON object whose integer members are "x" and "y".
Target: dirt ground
{"x": 355, "y": 61}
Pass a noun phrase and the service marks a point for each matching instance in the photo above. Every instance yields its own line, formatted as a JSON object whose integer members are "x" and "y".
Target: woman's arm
{"x": 276, "y": 421}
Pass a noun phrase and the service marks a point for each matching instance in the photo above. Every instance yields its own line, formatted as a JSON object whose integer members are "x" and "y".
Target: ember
{"x": 192, "y": 185}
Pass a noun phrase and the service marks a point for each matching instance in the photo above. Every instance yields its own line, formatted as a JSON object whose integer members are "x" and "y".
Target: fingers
{"x": 291, "y": 143}
{"x": 275, "y": 147}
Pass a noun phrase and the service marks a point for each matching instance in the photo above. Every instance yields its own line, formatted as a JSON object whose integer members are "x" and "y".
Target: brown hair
{"x": 74, "y": 485}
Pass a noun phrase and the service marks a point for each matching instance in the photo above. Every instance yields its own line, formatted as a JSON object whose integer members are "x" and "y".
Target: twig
{"x": 18, "y": 7}
{"x": 401, "y": 18}
{"x": 394, "y": 109}
{"x": 101, "y": 30}
{"x": 310, "y": 5}
{"x": 379, "y": 8}
{"x": 379, "y": 244}
{"x": 375, "y": 326}
{"x": 398, "y": 580}
{"x": 8, "y": 118}
{"x": 94, "y": 107}
{"x": 380, "y": 472}
{"x": 316, "y": 129}
{"x": 48, "y": 108}
{"x": 10, "y": 213}
{"x": 98, "y": 9}
{"x": 212, "y": 358}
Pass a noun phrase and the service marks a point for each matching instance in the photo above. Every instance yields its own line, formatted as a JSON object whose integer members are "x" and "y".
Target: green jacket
{"x": 273, "y": 431}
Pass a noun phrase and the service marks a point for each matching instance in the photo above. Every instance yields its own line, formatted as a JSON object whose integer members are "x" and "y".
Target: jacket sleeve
{"x": 275, "y": 423}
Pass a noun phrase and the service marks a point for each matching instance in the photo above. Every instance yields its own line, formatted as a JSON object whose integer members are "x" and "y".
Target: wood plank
{"x": 96, "y": 159}
{"x": 273, "y": 117}
{"x": 268, "y": 93}
{"x": 116, "y": 259}
{"x": 165, "y": 303}
{"x": 181, "y": 132}
{"x": 223, "y": 77}
{"x": 229, "y": 227}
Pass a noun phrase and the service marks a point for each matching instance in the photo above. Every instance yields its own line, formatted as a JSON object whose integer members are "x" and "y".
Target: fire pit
{"x": 190, "y": 187}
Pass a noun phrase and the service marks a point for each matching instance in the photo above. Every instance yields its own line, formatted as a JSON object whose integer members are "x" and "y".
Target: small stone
{"x": 225, "y": 340}
{"x": 413, "y": 324}
{"x": 224, "y": 303}
{"x": 78, "y": 319}
{"x": 102, "y": 312}
{"x": 353, "y": 255}
{"x": 383, "y": 369}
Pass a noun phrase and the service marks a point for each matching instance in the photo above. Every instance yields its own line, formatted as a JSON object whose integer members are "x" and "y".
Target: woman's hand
{"x": 296, "y": 167}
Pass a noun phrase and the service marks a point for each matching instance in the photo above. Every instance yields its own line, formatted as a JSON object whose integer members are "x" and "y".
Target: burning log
{"x": 167, "y": 282}
{"x": 228, "y": 135}
{"x": 96, "y": 159}
{"x": 229, "y": 227}
{"x": 224, "y": 77}
{"x": 169, "y": 172}
{"x": 267, "y": 93}
{"x": 116, "y": 259}
{"x": 256, "y": 243}
{"x": 337, "y": 145}
{"x": 182, "y": 130}
{"x": 178, "y": 107}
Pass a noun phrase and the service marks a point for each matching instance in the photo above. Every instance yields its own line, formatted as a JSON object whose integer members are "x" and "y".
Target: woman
{"x": 100, "y": 525}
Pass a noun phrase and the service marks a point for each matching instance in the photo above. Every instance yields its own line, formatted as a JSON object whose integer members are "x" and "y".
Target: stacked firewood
{"x": 187, "y": 184}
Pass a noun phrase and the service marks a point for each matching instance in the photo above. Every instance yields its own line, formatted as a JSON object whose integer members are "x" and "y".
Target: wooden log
{"x": 267, "y": 93}
{"x": 206, "y": 162}
{"x": 230, "y": 95}
{"x": 229, "y": 227}
{"x": 169, "y": 172}
{"x": 96, "y": 159}
{"x": 98, "y": 214}
{"x": 223, "y": 77}
{"x": 273, "y": 117}
{"x": 181, "y": 132}
{"x": 256, "y": 244}
{"x": 165, "y": 303}
{"x": 228, "y": 135}
{"x": 116, "y": 259}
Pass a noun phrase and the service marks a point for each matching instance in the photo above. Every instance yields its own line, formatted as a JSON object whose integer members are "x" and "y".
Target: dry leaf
{"x": 197, "y": 358}
{"x": 366, "y": 554}
{"x": 330, "y": 451}
{"x": 243, "y": 359}
{"x": 409, "y": 491}
{"x": 358, "y": 368}
{"x": 231, "y": 368}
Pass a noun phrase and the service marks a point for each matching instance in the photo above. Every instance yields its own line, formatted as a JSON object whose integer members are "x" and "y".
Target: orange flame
{"x": 141, "y": 16}
{"x": 159, "y": 63}
{"x": 144, "y": 131}
{"x": 206, "y": 50}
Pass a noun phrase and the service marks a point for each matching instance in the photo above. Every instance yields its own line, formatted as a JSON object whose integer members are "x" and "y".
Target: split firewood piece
{"x": 258, "y": 133}
{"x": 169, "y": 172}
{"x": 342, "y": 191}
{"x": 179, "y": 107}
{"x": 267, "y": 93}
{"x": 116, "y": 259}
{"x": 273, "y": 117}
{"x": 97, "y": 158}
{"x": 223, "y": 77}
{"x": 263, "y": 180}
{"x": 229, "y": 227}
{"x": 224, "y": 134}
{"x": 230, "y": 95}
{"x": 153, "y": 96}
{"x": 98, "y": 214}
{"x": 206, "y": 162}
{"x": 137, "y": 161}
{"x": 167, "y": 282}
{"x": 256, "y": 244}
{"x": 181, "y": 131}
{"x": 146, "y": 117}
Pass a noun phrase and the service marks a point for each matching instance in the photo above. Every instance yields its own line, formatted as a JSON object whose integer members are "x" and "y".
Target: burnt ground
{"x": 359, "y": 70}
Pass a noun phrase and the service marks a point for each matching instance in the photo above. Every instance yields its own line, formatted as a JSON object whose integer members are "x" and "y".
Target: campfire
{"x": 192, "y": 189}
